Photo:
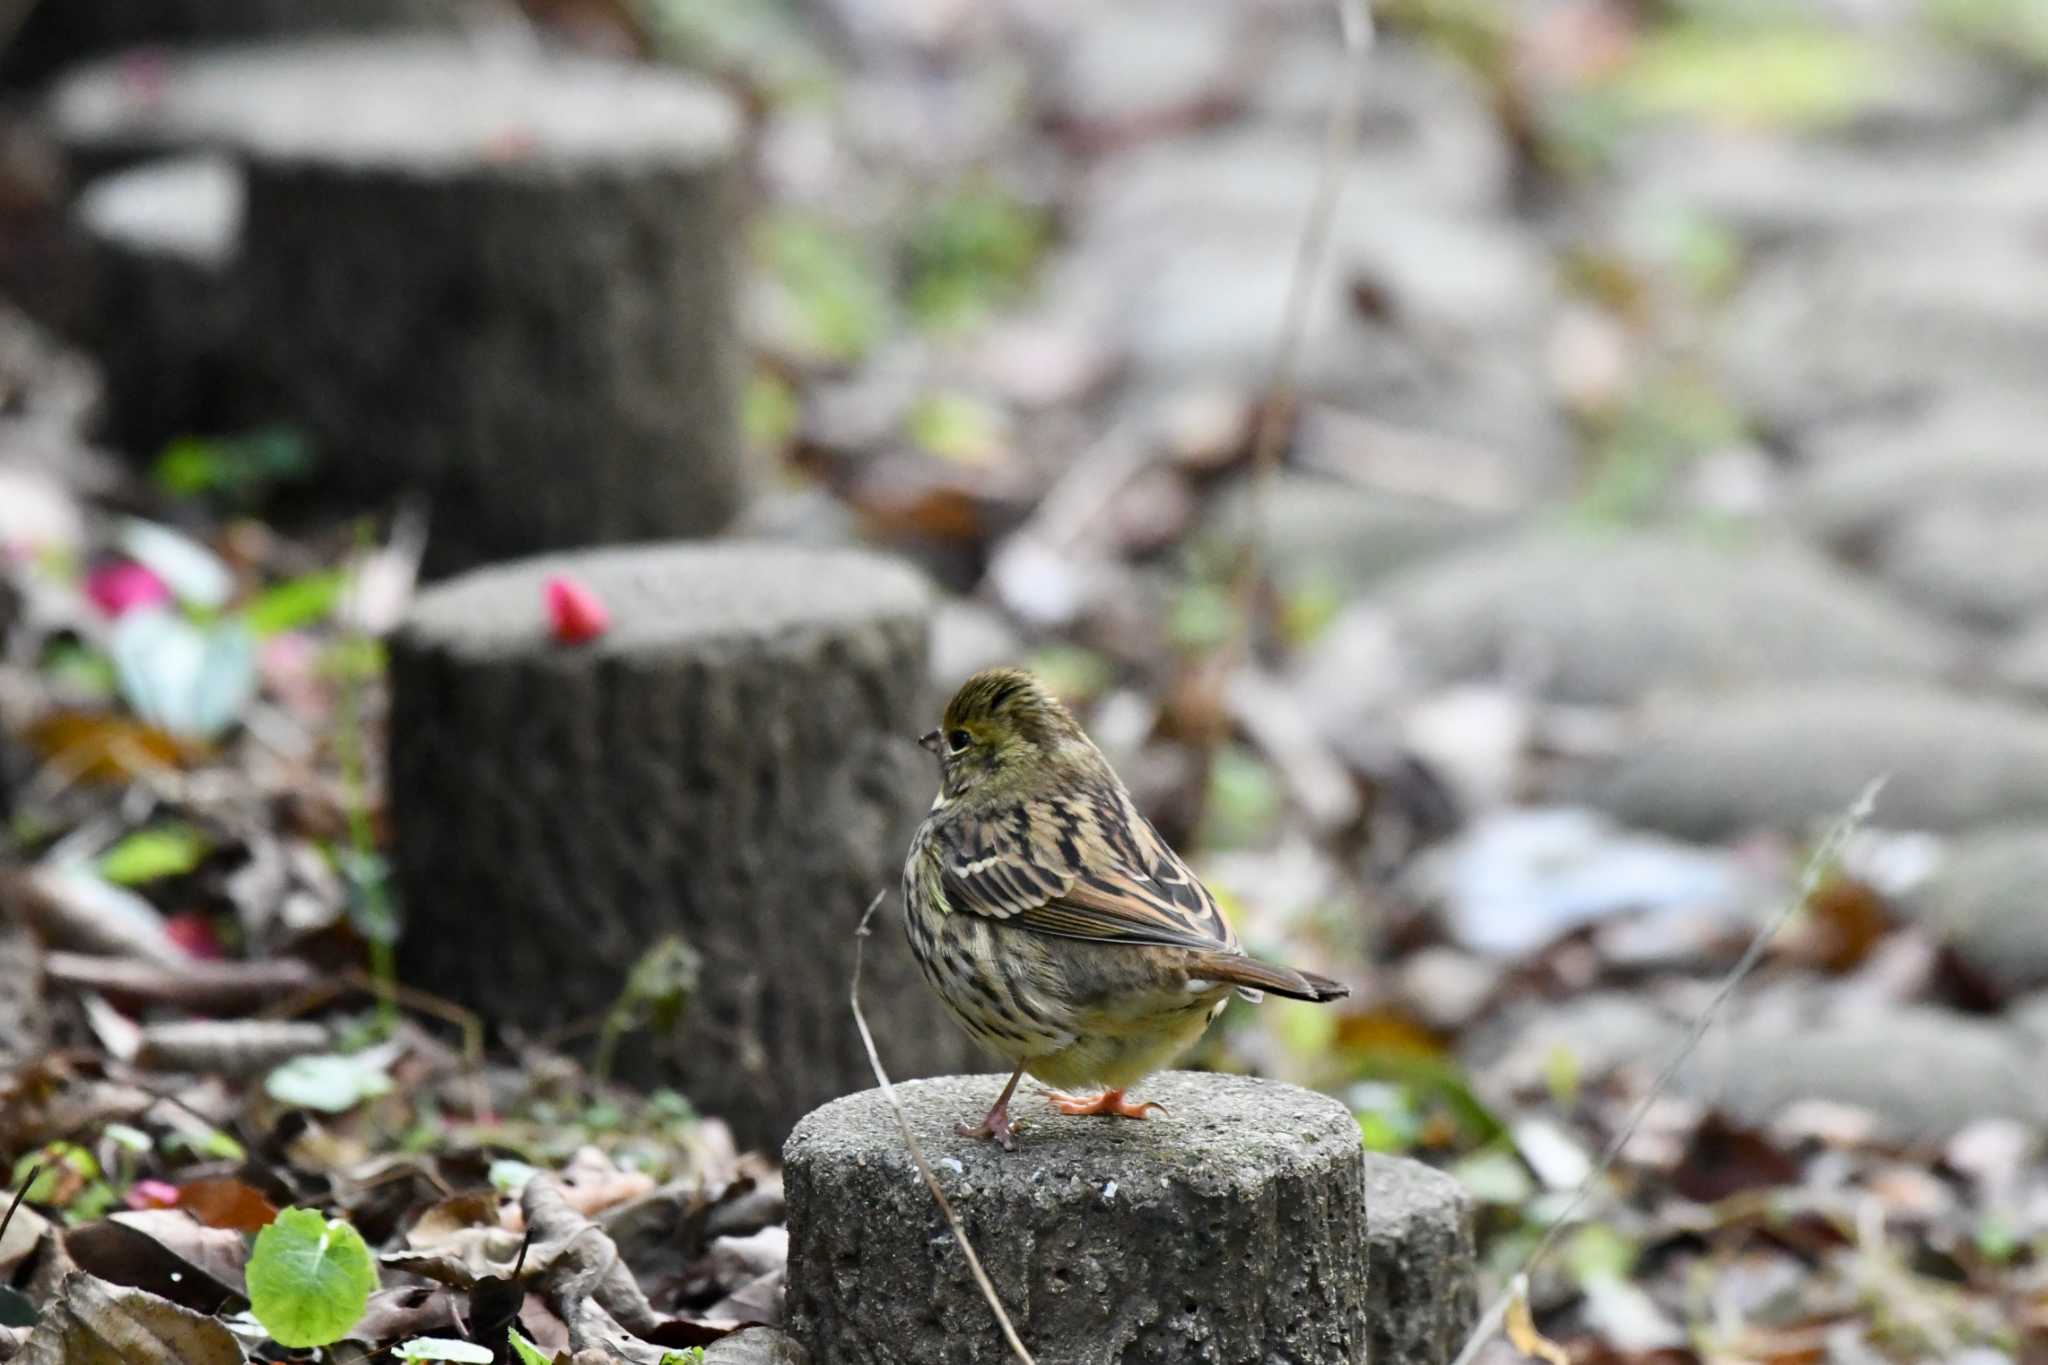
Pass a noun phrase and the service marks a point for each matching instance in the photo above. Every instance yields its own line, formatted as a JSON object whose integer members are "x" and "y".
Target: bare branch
{"x": 924, "y": 1167}
{"x": 1818, "y": 865}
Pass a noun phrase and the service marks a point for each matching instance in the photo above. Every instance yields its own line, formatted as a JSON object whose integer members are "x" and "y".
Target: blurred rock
{"x": 2022, "y": 662}
{"x": 1134, "y": 67}
{"x": 1787, "y": 758}
{"x": 1518, "y": 879}
{"x": 1326, "y": 533}
{"x": 1979, "y": 563}
{"x": 1772, "y": 185}
{"x": 1922, "y": 1073}
{"x": 1975, "y": 447}
{"x": 1888, "y": 316}
{"x": 1608, "y": 617}
{"x": 1987, "y": 903}
{"x": 1520, "y": 1050}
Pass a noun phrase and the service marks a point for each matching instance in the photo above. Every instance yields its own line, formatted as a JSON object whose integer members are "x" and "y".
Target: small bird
{"x": 1051, "y": 918}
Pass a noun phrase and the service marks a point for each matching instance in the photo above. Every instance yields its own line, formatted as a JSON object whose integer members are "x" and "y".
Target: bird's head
{"x": 1004, "y": 732}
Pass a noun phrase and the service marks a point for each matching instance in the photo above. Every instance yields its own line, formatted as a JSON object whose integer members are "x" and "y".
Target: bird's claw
{"x": 996, "y": 1126}
{"x": 1111, "y": 1102}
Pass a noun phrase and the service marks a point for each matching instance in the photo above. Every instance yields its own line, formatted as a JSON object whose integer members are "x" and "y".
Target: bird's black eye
{"x": 956, "y": 740}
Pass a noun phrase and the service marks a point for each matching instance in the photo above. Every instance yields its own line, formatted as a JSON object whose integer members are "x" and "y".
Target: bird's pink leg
{"x": 997, "y": 1123}
{"x": 1108, "y": 1102}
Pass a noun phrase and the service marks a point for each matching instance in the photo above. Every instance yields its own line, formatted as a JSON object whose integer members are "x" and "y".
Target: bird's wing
{"x": 1079, "y": 867}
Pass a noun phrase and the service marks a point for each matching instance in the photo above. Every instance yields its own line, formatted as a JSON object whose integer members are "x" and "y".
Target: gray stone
{"x": 1610, "y": 616}
{"x": 1922, "y": 1073}
{"x": 1989, "y": 902}
{"x": 1516, "y": 1052}
{"x": 1973, "y": 448}
{"x": 733, "y": 762}
{"x": 165, "y": 305}
{"x": 1787, "y": 758}
{"x": 1984, "y": 564}
{"x": 497, "y": 274}
{"x": 2022, "y": 661}
{"x": 757, "y": 1346}
{"x": 1776, "y": 184}
{"x": 1135, "y": 66}
{"x": 1422, "y": 1296}
{"x": 1889, "y": 316}
{"x": 1233, "y": 1228}
{"x": 1320, "y": 532}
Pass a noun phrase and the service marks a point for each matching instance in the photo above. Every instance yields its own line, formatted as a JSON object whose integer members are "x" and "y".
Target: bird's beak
{"x": 930, "y": 740}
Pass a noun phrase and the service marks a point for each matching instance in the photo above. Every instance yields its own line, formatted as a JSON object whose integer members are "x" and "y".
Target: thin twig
{"x": 988, "y": 1290}
{"x": 35, "y": 1174}
{"x": 1340, "y": 138}
{"x": 1818, "y": 865}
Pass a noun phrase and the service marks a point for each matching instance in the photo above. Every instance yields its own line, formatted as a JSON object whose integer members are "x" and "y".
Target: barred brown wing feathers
{"x": 1063, "y": 869}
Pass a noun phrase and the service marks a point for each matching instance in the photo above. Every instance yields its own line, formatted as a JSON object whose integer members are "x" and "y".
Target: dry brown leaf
{"x": 224, "y": 1202}
{"x": 95, "y": 1323}
{"x": 1522, "y": 1333}
{"x": 106, "y": 748}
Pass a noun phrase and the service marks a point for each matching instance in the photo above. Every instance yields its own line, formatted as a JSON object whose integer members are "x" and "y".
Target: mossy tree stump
{"x": 733, "y": 762}
{"x": 498, "y": 275}
{"x": 1245, "y": 1225}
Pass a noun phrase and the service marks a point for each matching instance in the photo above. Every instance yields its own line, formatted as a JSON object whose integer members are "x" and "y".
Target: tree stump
{"x": 499, "y": 275}
{"x": 1230, "y": 1230}
{"x": 163, "y": 307}
{"x": 59, "y": 35}
{"x": 734, "y": 761}
{"x": 1425, "y": 1296}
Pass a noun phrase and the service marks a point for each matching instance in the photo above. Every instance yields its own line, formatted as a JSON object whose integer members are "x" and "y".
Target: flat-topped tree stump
{"x": 734, "y": 762}
{"x": 54, "y": 36}
{"x": 164, "y": 308}
{"x": 1230, "y": 1230}
{"x": 496, "y": 274}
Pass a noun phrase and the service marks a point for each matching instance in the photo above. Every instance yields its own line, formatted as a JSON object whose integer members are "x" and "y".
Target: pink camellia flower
{"x": 574, "y": 613}
{"x": 120, "y": 586}
{"x": 193, "y": 931}
{"x": 152, "y": 1194}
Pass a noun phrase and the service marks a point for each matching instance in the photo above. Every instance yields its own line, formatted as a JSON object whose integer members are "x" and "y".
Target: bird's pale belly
{"x": 1019, "y": 1002}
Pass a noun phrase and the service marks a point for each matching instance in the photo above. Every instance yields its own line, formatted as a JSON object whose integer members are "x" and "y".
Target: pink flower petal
{"x": 121, "y": 586}
{"x": 574, "y": 612}
{"x": 152, "y": 1194}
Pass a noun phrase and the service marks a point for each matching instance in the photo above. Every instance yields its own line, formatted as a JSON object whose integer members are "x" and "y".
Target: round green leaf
{"x": 309, "y": 1278}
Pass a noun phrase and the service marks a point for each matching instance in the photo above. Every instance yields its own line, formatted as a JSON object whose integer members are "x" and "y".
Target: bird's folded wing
{"x": 1074, "y": 883}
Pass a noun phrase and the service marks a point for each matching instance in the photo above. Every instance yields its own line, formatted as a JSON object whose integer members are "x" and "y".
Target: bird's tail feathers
{"x": 1252, "y": 976}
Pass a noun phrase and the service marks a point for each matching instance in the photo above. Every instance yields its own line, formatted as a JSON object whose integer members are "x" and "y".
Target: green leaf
{"x": 689, "y": 1355}
{"x": 833, "y": 292}
{"x": 296, "y": 603}
{"x": 331, "y": 1082}
{"x": 528, "y": 1353}
{"x": 309, "y": 1278}
{"x": 440, "y": 1348}
{"x": 150, "y": 854}
{"x": 1769, "y": 75}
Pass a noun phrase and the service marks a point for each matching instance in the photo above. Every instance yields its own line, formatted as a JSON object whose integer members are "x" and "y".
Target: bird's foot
{"x": 1110, "y": 1102}
{"x": 995, "y": 1126}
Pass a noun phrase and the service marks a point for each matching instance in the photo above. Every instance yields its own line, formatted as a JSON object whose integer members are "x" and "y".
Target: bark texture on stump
{"x": 1230, "y": 1230}
{"x": 734, "y": 762}
{"x": 1424, "y": 1297}
{"x": 499, "y": 275}
{"x": 163, "y": 310}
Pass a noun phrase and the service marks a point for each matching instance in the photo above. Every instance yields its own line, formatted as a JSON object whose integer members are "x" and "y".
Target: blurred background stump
{"x": 733, "y": 762}
{"x": 164, "y": 306}
{"x": 54, "y": 36}
{"x": 1423, "y": 1297}
{"x": 1233, "y": 1228}
{"x": 478, "y": 269}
